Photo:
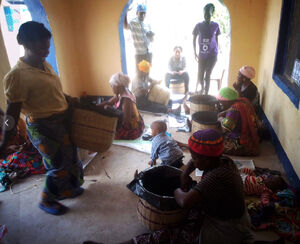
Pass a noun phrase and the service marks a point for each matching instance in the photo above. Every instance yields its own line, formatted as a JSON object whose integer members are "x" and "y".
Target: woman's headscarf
{"x": 227, "y": 94}
{"x": 144, "y": 66}
{"x": 248, "y": 71}
{"x": 207, "y": 142}
{"x": 119, "y": 79}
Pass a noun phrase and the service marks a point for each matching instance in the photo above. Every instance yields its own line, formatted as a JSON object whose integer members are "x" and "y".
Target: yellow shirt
{"x": 39, "y": 91}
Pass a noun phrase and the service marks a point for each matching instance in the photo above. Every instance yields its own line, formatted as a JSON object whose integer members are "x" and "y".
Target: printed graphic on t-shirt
{"x": 204, "y": 45}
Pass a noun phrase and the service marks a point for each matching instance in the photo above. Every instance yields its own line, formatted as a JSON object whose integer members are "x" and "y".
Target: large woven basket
{"x": 202, "y": 103}
{"x": 205, "y": 120}
{"x": 159, "y": 94}
{"x": 155, "y": 219}
{"x": 93, "y": 131}
{"x": 177, "y": 88}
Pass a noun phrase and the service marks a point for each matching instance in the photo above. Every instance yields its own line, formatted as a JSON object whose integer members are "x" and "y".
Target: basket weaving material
{"x": 205, "y": 120}
{"x": 159, "y": 94}
{"x": 155, "y": 219}
{"x": 93, "y": 131}
{"x": 202, "y": 103}
{"x": 177, "y": 88}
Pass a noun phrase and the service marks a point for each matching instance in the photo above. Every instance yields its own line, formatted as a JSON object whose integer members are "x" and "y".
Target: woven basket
{"x": 159, "y": 94}
{"x": 155, "y": 219}
{"x": 177, "y": 88}
{"x": 205, "y": 120}
{"x": 93, "y": 131}
{"x": 202, "y": 103}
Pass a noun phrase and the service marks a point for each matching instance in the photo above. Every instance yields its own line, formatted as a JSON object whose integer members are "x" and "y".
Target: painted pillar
{"x": 38, "y": 14}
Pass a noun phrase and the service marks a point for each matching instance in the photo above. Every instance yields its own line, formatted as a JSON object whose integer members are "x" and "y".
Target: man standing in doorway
{"x": 142, "y": 36}
{"x": 207, "y": 33}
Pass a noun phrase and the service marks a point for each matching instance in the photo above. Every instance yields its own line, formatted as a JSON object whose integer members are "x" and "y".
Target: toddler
{"x": 164, "y": 147}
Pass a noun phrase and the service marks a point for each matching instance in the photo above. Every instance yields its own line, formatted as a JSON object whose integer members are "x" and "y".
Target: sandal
{"x": 53, "y": 207}
{"x": 77, "y": 192}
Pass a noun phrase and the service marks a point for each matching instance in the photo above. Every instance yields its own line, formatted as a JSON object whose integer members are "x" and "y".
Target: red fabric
{"x": 249, "y": 118}
{"x": 206, "y": 148}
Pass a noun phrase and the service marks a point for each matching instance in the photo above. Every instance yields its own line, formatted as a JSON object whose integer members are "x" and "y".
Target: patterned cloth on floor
{"x": 24, "y": 162}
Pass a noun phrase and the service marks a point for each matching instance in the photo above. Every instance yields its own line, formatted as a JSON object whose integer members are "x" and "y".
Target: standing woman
{"x": 207, "y": 33}
{"x": 33, "y": 87}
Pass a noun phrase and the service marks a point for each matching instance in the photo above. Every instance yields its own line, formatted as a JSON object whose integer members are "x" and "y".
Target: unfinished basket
{"x": 177, "y": 88}
{"x": 202, "y": 103}
{"x": 155, "y": 219}
{"x": 159, "y": 94}
{"x": 93, "y": 131}
{"x": 205, "y": 120}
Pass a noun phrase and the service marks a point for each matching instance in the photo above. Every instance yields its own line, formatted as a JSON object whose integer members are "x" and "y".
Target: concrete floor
{"x": 106, "y": 211}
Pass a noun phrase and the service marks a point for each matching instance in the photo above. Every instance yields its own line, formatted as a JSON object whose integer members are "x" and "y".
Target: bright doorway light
{"x": 173, "y": 22}
{"x": 12, "y": 15}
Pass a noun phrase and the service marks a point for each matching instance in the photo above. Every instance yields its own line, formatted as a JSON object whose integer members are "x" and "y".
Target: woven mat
{"x": 138, "y": 144}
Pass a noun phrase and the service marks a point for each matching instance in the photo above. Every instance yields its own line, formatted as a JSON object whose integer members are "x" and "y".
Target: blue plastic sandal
{"x": 54, "y": 208}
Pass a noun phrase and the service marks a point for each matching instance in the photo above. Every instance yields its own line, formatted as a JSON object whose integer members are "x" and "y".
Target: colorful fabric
{"x": 243, "y": 139}
{"x": 227, "y": 94}
{"x": 51, "y": 138}
{"x": 119, "y": 79}
{"x": 166, "y": 149}
{"x": 206, "y": 142}
{"x": 40, "y": 91}
{"x": 26, "y": 161}
{"x": 222, "y": 191}
{"x": 207, "y": 38}
{"x": 139, "y": 32}
{"x": 248, "y": 71}
{"x": 135, "y": 128}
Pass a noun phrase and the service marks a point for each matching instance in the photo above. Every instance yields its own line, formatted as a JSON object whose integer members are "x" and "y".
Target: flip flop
{"x": 76, "y": 193}
{"x": 54, "y": 208}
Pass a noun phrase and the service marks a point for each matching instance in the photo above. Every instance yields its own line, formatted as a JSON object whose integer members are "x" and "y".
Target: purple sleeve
{"x": 196, "y": 30}
{"x": 218, "y": 32}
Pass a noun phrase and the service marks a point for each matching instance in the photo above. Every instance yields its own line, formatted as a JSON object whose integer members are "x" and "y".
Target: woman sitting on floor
{"x": 245, "y": 87}
{"x": 217, "y": 208}
{"x": 132, "y": 125}
{"x": 240, "y": 124}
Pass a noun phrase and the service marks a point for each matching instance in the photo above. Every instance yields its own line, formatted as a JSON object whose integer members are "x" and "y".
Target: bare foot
{"x": 186, "y": 108}
{"x": 136, "y": 174}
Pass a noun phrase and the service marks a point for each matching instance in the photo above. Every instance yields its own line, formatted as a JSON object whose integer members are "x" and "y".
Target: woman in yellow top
{"x": 33, "y": 87}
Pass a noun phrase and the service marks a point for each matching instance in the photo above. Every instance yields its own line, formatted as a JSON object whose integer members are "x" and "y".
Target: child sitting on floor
{"x": 261, "y": 185}
{"x": 164, "y": 147}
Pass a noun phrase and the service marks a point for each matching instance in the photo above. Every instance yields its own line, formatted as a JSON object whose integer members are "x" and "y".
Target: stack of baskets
{"x": 93, "y": 131}
{"x": 204, "y": 113}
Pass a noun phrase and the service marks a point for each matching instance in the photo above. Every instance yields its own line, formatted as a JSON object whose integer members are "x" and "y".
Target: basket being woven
{"x": 202, "y": 103}
{"x": 205, "y": 120}
{"x": 155, "y": 219}
{"x": 92, "y": 130}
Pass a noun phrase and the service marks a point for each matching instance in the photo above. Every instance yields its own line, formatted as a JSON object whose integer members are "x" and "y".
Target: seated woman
{"x": 177, "y": 65}
{"x": 217, "y": 208}
{"x": 132, "y": 125}
{"x": 141, "y": 87}
{"x": 240, "y": 124}
{"x": 245, "y": 87}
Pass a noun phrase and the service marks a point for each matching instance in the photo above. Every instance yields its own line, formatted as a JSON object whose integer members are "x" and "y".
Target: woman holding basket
{"x": 33, "y": 88}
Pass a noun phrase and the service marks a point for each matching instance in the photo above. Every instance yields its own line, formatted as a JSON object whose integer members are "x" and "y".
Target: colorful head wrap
{"x": 207, "y": 142}
{"x": 248, "y": 71}
{"x": 141, "y": 8}
{"x": 227, "y": 94}
{"x": 119, "y": 79}
{"x": 144, "y": 66}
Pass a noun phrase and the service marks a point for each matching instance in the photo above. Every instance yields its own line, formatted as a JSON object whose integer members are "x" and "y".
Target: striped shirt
{"x": 139, "y": 32}
{"x": 222, "y": 191}
{"x": 166, "y": 149}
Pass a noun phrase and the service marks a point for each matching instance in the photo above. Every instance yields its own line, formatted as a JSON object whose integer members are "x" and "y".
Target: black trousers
{"x": 144, "y": 104}
{"x": 205, "y": 67}
{"x": 184, "y": 77}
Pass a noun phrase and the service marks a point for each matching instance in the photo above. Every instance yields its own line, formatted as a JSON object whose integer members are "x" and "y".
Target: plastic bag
{"x": 156, "y": 185}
